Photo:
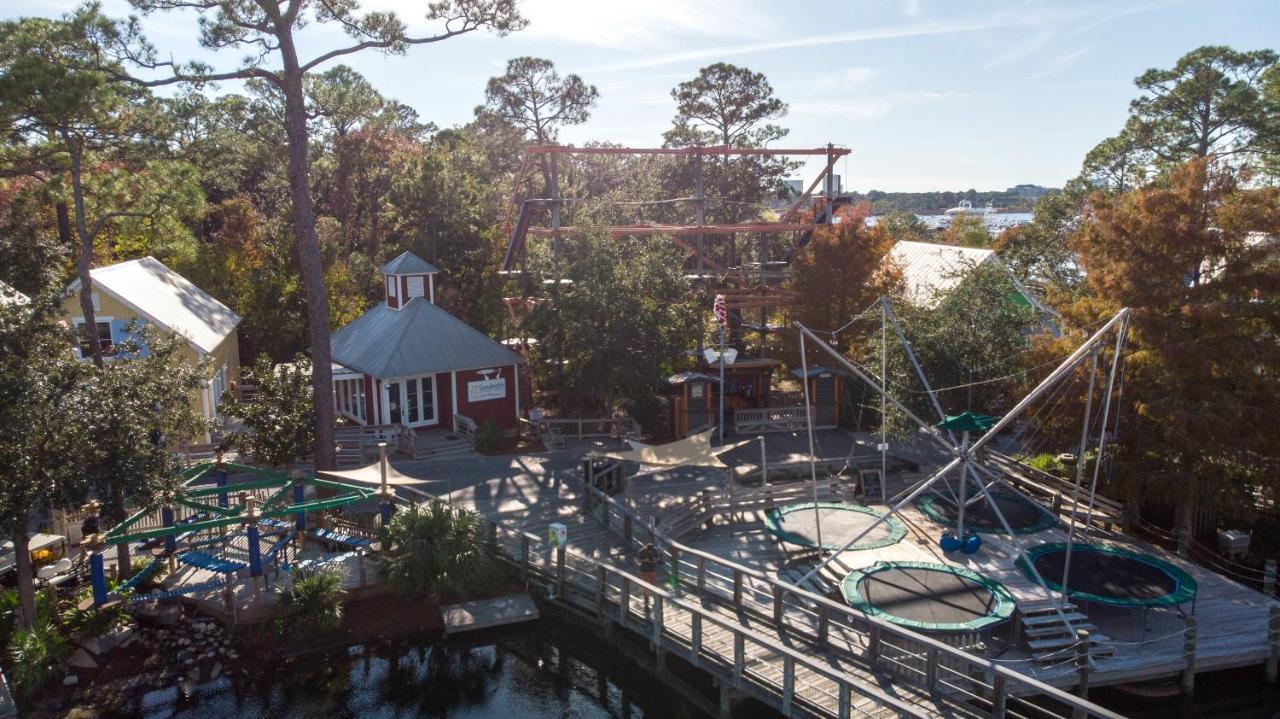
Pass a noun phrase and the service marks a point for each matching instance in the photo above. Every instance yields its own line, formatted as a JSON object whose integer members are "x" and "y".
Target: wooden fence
{"x": 770, "y": 419}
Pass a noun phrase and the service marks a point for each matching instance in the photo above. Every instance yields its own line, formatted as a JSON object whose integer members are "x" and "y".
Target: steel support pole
{"x": 1075, "y": 492}
{"x": 808, "y": 423}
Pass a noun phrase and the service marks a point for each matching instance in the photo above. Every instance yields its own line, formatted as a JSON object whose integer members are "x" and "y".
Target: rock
{"x": 94, "y": 646}
{"x": 216, "y": 671}
{"x": 81, "y": 659}
{"x": 70, "y": 680}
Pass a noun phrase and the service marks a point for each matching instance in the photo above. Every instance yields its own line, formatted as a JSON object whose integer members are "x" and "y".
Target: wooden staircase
{"x": 1048, "y": 636}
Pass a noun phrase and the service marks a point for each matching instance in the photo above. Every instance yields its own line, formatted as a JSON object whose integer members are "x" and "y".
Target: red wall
{"x": 444, "y": 401}
{"x": 370, "y": 407}
{"x": 502, "y": 411}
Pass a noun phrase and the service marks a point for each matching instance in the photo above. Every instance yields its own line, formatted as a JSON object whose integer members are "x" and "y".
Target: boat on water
{"x": 966, "y": 208}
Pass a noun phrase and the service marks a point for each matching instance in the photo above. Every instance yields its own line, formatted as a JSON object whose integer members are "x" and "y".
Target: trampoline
{"x": 928, "y": 597}
{"x": 1112, "y": 575}
{"x": 797, "y": 524}
{"x": 1023, "y": 515}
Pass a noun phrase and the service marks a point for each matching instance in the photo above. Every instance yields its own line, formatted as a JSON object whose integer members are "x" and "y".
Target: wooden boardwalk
{"x": 757, "y": 635}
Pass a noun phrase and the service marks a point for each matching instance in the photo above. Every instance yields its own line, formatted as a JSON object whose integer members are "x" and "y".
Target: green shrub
{"x": 1049, "y": 463}
{"x": 489, "y": 437}
{"x": 312, "y": 601}
{"x": 37, "y": 657}
{"x": 442, "y": 549}
{"x": 91, "y": 622}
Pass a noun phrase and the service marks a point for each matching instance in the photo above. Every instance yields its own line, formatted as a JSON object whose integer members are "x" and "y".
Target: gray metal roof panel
{"x": 420, "y": 338}
{"x": 408, "y": 263}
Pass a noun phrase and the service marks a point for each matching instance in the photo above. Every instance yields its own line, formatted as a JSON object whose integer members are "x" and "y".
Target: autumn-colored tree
{"x": 1199, "y": 401}
{"x": 840, "y": 272}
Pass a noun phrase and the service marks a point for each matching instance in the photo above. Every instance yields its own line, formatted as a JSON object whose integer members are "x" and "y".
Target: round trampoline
{"x": 929, "y": 597}
{"x": 797, "y": 524}
{"x": 1023, "y": 515}
{"x": 1111, "y": 575}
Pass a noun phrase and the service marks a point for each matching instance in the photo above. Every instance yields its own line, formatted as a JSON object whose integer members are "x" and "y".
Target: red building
{"x": 407, "y": 361}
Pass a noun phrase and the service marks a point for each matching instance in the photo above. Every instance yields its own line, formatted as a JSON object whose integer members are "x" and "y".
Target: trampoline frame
{"x": 1000, "y": 612}
{"x": 1186, "y": 585}
{"x": 897, "y": 530}
{"x": 926, "y": 505}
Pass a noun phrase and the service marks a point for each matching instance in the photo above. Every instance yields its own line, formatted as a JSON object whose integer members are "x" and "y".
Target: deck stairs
{"x": 441, "y": 445}
{"x": 825, "y": 582}
{"x": 1048, "y": 636}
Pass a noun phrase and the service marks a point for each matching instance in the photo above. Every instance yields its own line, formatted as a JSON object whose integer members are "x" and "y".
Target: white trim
{"x": 76, "y": 323}
{"x": 515, "y": 382}
{"x": 453, "y": 399}
{"x": 403, "y": 389}
{"x": 431, "y": 288}
{"x": 421, "y": 289}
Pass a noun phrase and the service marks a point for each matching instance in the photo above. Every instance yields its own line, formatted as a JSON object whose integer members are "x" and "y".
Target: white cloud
{"x": 868, "y": 107}
{"x": 648, "y": 25}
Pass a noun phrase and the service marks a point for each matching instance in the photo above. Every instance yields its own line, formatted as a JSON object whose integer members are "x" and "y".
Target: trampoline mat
{"x": 1022, "y": 514}
{"x": 798, "y": 524}
{"x": 1107, "y": 575}
{"x": 927, "y": 596}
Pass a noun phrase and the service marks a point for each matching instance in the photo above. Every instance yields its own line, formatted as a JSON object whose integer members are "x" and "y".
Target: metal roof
{"x": 408, "y": 264}
{"x": 419, "y": 338}
{"x": 166, "y": 299}
{"x": 930, "y": 270}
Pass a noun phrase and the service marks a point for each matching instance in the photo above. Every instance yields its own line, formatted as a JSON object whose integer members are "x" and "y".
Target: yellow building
{"x": 148, "y": 291}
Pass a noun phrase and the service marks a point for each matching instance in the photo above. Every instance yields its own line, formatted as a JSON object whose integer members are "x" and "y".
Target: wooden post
{"x": 524, "y": 557}
{"x": 999, "y": 696}
{"x": 737, "y": 589}
{"x": 1273, "y": 644}
{"x": 559, "y": 571}
{"x": 845, "y": 705}
{"x": 695, "y": 637}
{"x": 873, "y": 642}
{"x": 624, "y": 602}
{"x": 824, "y": 623}
{"x": 788, "y": 683}
{"x": 657, "y": 622}
{"x": 1082, "y": 668}
{"x": 601, "y": 581}
{"x": 778, "y": 596}
{"x": 1184, "y": 539}
{"x": 702, "y": 574}
{"x": 931, "y": 669}
{"x": 1269, "y": 578}
{"x": 739, "y": 657}
{"x": 1189, "y": 657}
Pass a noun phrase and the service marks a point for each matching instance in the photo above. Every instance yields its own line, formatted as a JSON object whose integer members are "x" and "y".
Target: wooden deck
{"x": 759, "y": 636}
{"x": 487, "y": 613}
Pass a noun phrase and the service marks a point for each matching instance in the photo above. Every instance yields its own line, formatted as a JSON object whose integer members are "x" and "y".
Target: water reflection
{"x": 544, "y": 672}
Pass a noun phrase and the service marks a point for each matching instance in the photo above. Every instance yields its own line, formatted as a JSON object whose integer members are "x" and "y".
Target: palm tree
{"x": 441, "y": 549}
{"x": 312, "y": 601}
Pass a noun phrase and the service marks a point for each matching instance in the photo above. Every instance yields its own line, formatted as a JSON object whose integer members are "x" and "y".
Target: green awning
{"x": 968, "y": 422}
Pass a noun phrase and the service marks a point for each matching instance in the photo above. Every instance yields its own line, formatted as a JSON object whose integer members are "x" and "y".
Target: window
{"x": 416, "y": 287}
{"x": 219, "y": 385}
{"x": 103, "y": 339}
{"x": 392, "y": 290}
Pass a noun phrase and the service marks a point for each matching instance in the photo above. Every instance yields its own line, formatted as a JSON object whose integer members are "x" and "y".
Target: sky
{"x": 928, "y": 95}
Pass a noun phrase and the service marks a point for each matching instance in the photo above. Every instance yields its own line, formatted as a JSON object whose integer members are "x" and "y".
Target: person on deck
{"x": 648, "y": 559}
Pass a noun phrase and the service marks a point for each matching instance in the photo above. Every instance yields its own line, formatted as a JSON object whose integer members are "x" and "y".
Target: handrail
{"x": 779, "y": 587}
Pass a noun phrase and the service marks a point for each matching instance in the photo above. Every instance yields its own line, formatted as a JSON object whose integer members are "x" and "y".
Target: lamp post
{"x": 723, "y": 357}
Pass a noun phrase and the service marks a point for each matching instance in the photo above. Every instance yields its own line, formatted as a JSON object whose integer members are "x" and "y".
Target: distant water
{"x": 996, "y": 222}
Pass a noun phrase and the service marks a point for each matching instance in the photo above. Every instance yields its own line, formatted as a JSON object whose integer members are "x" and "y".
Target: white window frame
{"x": 402, "y": 384}
{"x": 393, "y": 287}
{"x": 78, "y": 322}
{"x": 421, "y": 289}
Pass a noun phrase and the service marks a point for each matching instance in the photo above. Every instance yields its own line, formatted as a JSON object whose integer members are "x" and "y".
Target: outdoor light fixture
{"x": 712, "y": 356}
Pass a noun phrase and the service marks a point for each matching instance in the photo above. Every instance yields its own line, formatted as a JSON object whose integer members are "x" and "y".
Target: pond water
{"x": 546, "y": 671}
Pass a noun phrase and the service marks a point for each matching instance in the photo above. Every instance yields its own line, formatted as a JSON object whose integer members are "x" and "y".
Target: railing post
{"x": 1082, "y": 668}
{"x": 788, "y": 683}
{"x": 559, "y": 571}
{"x": 737, "y": 589}
{"x": 873, "y": 642}
{"x": 626, "y": 528}
{"x": 524, "y": 557}
{"x": 601, "y": 580}
{"x": 739, "y": 656}
{"x": 1189, "y": 657}
{"x": 702, "y": 574}
{"x": 931, "y": 669}
{"x": 695, "y": 636}
{"x": 824, "y": 623}
{"x": 999, "y": 696}
{"x": 624, "y": 603}
{"x": 674, "y": 553}
{"x": 778, "y": 596}
{"x": 657, "y": 622}
{"x": 844, "y": 707}
{"x": 1269, "y": 578}
{"x": 1273, "y": 644}
{"x": 1184, "y": 539}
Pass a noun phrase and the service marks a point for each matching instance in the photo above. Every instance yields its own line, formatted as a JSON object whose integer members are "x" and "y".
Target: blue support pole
{"x": 170, "y": 542}
{"x": 98, "y": 578}
{"x": 299, "y": 496}
{"x": 255, "y": 552}
{"x": 386, "y": 512}
{"x": 221, "y": 477}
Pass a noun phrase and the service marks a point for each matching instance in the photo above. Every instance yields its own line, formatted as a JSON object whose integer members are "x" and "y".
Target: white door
{"x": 410, "y": 401}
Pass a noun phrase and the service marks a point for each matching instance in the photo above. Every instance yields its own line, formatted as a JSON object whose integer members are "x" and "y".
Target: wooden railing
{"x": 589, "y": 428}
{"x": 399, "y": 438}
{"x": 1056, "y": 492}
{"x": 769, "y": 419}
{"x": 466, "y": 427}
{"x": 977, "y": 686}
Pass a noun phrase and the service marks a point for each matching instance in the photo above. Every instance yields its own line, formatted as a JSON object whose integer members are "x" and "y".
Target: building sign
{"x": 486, "y": 389}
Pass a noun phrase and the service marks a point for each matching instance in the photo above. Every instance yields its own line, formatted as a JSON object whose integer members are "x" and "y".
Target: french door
{"x": 410, "y": 401}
